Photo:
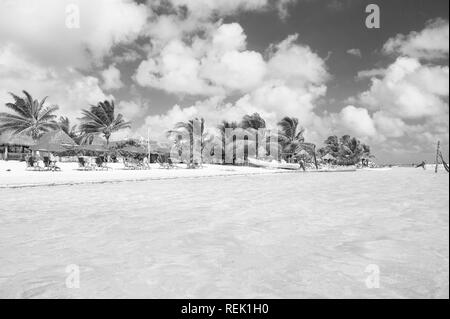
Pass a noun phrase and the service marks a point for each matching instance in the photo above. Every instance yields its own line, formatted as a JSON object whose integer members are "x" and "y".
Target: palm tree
{"x": 352, "y": 151}
{"x": 223, "y": 128}
{"x": 101, "y": 119}
{"x": 254, "y": 123}
{"x": 292, "y": 139}
{"x": 31, "y": 117}
{"x": 190, "y": 128}
{"x": 331, "y": 147}
{"x": 291, "y": 135}
{"x": 70, "y": 130}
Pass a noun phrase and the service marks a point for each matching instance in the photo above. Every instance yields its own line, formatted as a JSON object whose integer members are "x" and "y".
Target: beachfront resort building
{"x": 14, "y": 147}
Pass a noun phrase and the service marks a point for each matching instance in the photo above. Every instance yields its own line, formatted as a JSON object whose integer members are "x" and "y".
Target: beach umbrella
{"x": 328, "y": 157}
{"x": 55, "y": 141}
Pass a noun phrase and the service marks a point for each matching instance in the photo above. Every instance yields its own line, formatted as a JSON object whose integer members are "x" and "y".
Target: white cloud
{"x": 410, "y": 90}
{"x": 388, "y": 125}
{"x": 68, "y": 88}
{"x": 38, "y": 28}
{"x": 371, "y": 73}
{"x": 355, "y": 52}
{"x": 205, "y": 8}
{"x": 111, "y": 78}
{"x": 358, "y": 121}
{"x": 175, "y": 70}
{"x": 408, "y": 100}
{"x": 296, "y": 64}
{"x": 212, "y": 66}
{"x": 431, "y": 43}
{"x": 132, "y": 109}
{"x": 208, "y": 8}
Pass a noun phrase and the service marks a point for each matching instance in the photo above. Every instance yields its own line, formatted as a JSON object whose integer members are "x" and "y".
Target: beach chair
{"x": 129, "y": 165}
{"x": 83, "y": 165}
{"x": 50, "y": 165}
{"x": 195, "y": 165}
{"x": 171, "y": 164}
{"x": 101, "y": 164}
{"x": 33, "y": 164}
{"x": 162, "y": 165}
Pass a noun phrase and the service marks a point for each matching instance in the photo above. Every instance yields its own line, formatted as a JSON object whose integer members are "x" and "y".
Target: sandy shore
{"x": 13, "y": 174}
{"x": 256, "y": 236}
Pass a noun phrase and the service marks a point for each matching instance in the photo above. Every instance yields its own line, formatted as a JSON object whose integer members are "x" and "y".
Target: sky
{"x": 165, "y": 61}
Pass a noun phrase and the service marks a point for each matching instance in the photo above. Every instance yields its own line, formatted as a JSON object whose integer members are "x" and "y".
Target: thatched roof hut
{"x": 11, "y": 139}
{"x": 14, "y": 146}
{"x": 54, "y": 141}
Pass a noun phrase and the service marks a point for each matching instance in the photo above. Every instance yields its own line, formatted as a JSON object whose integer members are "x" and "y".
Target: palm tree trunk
{"x": 223, "y": 150}
{"x": 315, "y": 157}
{"x": 191, "y": 156}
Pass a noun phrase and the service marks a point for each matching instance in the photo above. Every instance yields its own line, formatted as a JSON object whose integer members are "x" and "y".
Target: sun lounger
{"x": 171, "y": 164}
{"x": 101, "y": 164}
{"x": 33, "y": 164}
{"x": 162, "y": 165}
{"x": 50, "y": 165}
{"x": 130, "y": 165}
{"x": 83, "y": 165}
{"x": 195, "y": 165}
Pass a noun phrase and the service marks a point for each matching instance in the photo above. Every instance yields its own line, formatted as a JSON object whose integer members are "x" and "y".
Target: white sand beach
{"x": 255, "y": 236}
{"x": 14, "y": 174}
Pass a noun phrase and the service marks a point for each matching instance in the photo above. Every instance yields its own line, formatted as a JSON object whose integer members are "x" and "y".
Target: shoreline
{"x": 14, "y": 176}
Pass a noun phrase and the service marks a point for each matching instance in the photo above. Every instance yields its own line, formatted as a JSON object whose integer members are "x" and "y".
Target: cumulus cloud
{"x": 207, "y": 8}
{"x": 408, "y": 100}
{"x": 358, "y": 121}
{"x": 68, "y": 88}
{"x": 410, "y": 90}
{"x": 296, "y": 64}
{"x": 429, "y": 44}
{"x": 371, "y": 73}
{"x": 111, "y": 78}
{"x": 132, "y": 109}
{"x": 214, "y": 65}
{"x": 355, "y": 52}
{"x": 288, "y": 82}
{"x": 220, "y": 65}
{"x": 39, "y": 28}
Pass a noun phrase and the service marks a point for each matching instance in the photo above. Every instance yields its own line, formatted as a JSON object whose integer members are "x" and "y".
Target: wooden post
{"x": 437, "y": 156}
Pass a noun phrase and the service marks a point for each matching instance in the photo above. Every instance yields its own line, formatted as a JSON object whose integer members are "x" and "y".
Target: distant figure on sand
{"x": 302, "y": 165}
{"x": 422, "y": 165}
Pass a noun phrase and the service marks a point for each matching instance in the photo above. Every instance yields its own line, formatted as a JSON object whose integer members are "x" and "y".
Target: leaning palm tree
{"x": 190, "y": 128}
{"x": 101, "y": 119}
{"x": 66, "y": 127}
{"x": 31, "y": 118}
{"x": 223, "y": 128}
{"x": 253, "y": 123}
{"x": 291, "y": 135}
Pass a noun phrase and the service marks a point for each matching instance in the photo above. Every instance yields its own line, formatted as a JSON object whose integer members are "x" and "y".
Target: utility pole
{"x": 148, "y": 146}
{"x": 437, "y": 156}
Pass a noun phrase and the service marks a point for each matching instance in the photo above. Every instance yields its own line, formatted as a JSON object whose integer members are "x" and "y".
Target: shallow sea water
{"x": 319, "y": 235}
